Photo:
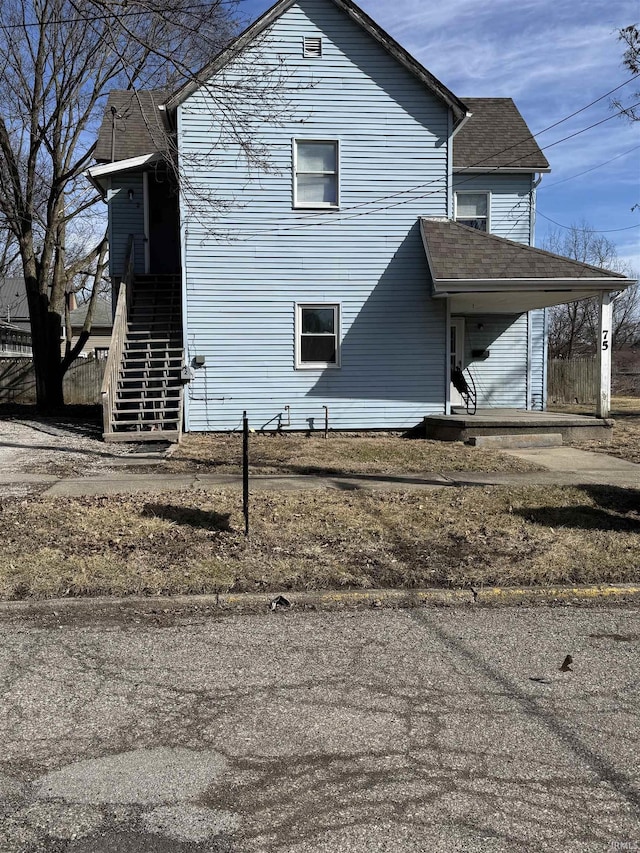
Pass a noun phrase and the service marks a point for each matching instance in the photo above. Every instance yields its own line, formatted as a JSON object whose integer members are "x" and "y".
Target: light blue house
{"x": 377, "y": 235}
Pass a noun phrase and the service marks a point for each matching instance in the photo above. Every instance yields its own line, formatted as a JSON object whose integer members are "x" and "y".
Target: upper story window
{"x": 315, "y": 164}
{"x": 472, "y": 209}
{"x": 312, "y": 47}
{"x": 317, "y": 335}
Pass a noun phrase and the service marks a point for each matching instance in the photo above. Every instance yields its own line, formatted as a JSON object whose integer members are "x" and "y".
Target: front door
{"x": 457, "y": 356}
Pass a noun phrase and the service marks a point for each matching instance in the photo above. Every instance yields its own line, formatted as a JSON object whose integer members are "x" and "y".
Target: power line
{"x": 111, "y": 16}
{"x": 341, "y": 217}
{"x": 309, "y": 219}
{"x": 592, "y": 169}
{"x": 586, "y": 230}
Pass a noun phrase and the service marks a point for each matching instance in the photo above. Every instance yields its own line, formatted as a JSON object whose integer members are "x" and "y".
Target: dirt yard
{"x": 193, "y": 542}
{"x": 357, "y": 453}
{"x": 56, "y": 448}
{"x": 625, "y": 443}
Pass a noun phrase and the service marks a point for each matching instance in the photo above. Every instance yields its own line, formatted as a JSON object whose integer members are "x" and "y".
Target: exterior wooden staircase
{"x": 142, "y": 391}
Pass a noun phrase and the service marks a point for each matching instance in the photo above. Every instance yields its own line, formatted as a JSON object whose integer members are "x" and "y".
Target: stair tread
{"x": 166, "y": 421}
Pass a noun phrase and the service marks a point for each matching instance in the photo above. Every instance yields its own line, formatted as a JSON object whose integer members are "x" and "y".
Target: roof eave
{"x": 396, "y": 50}
{"x": 226, "y": 55}
{"x": 445, "y": 286}
{"x": 99, "y": 174}
{"x": 102, "y": 169}
{"x": 489, "y": 170}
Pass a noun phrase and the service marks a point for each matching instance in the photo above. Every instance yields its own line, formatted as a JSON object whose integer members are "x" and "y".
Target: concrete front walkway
{"x": 564, "y": 466}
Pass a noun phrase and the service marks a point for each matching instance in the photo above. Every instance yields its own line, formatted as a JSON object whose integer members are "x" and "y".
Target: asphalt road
{"x": 423, "y": 730}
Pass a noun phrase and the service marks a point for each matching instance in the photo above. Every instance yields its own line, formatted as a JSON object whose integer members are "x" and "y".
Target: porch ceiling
{"x": 514, "y": 301}
{"x": 481, "y": 273}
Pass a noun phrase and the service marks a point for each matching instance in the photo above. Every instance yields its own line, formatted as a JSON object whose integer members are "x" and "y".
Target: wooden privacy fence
{"x": 573, "y": 380}
{"x": 81, "y": 385}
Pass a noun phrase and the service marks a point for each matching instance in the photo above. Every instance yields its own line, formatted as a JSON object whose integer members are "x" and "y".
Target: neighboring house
{"x": 97, "y": 344}
{"x": 15, "y": 342}
{"x": 14, "y": 308}
{"x": 388, "y": 242}
{"x": 15, "y": 328}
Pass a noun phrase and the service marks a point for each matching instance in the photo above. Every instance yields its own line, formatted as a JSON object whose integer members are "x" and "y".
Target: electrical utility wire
{"x": 587, "y": 230}
{"x": 309, "y": 219}
{"x": 197, "y": 6}
{"x": 338, "y": 215}
{"x": 110, "y": 16}
{"x": 592, "y": 169}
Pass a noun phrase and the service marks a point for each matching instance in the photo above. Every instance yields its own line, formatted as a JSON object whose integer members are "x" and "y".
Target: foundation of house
{"x": 459, "y": 426}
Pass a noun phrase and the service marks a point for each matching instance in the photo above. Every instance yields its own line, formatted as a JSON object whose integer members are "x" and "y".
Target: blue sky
{"x": 552, "y": 57}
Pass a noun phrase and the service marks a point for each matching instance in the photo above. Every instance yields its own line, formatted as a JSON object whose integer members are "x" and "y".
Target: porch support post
{"x": 604, "y": 355}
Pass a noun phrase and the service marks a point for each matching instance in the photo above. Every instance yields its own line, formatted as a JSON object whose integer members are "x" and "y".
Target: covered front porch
{"x": 496, "y": 291}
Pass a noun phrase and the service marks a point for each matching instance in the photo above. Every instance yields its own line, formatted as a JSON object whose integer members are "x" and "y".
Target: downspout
{"x": 114, "y": 116}
{"x": 532, "y": 209}
{"x": 460, "y": 125}
{"x": 454, "y": 131}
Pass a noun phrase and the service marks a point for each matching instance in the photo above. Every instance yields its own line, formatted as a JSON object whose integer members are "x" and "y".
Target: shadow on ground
{"x": 617, "y": 509}
{"x": 190, "y": 516}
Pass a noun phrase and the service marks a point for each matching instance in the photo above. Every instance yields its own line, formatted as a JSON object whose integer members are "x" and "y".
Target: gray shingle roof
{"x": 496, "y": 136}
{"x": 496, "y": 125}
{"x": 457, "y": 252}
{"x": 101, "y": 314}
{"x": 13, "y": 300}
{"x": 140, "y": 127}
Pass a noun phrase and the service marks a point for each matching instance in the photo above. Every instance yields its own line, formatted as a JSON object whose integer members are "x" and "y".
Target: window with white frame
{"x": 317, "y": 335}
{"x": 315, "y": 164}
{"x": 472, "y": 209}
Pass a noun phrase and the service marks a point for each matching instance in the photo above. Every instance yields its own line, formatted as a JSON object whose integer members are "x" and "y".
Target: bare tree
{"x": 574, "y": 327}
{"x": 59, "y": 60}
{"x": 630, "y": 36}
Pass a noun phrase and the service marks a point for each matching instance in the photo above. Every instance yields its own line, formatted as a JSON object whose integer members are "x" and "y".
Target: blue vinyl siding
{"x": 501, "y": 379}
{"x": 125, "y": 217}
{"x": 512, "y": 198}
{"x": 510, "y": 214}
{"x": 246, "y": 267}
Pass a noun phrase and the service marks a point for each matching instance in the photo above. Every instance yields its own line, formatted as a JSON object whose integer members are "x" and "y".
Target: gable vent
{"x": 312, "y": 47}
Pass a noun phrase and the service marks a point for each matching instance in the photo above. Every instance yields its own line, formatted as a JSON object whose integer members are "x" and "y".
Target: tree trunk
{"x": 45, "y": 340}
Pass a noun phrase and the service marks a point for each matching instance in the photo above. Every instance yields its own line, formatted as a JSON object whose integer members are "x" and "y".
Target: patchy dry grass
{"x": 295, "y": 453}
{"x": 192, "y": 541}
{"x": 625, "y": 441}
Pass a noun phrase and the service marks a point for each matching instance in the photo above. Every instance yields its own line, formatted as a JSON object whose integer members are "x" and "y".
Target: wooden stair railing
{"x": 116, "y": 347}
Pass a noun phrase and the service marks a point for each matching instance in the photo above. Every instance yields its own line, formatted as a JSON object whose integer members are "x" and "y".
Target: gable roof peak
{"x": 356, "y": 14}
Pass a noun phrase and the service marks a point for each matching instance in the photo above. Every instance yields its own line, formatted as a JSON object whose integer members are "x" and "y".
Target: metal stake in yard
{"x": 245, "y": 472}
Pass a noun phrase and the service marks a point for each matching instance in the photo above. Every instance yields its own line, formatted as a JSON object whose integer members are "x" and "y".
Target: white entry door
{"x": 457, "y": 355}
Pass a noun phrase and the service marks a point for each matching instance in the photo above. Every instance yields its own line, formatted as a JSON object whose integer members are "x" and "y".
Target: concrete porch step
{"x": 509, "y": 442}
{"x": 501, "y": 422}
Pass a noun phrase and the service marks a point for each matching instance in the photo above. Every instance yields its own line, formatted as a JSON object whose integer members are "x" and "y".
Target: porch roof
{"x": 483, "y": 273}
{"x": 132, "y": 125}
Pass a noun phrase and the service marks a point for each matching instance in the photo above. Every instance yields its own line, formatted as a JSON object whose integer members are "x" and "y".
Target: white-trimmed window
{"x": 315, "y": 167}
{"x": 317, "y": 335}
{"x": 472, "y": 209}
